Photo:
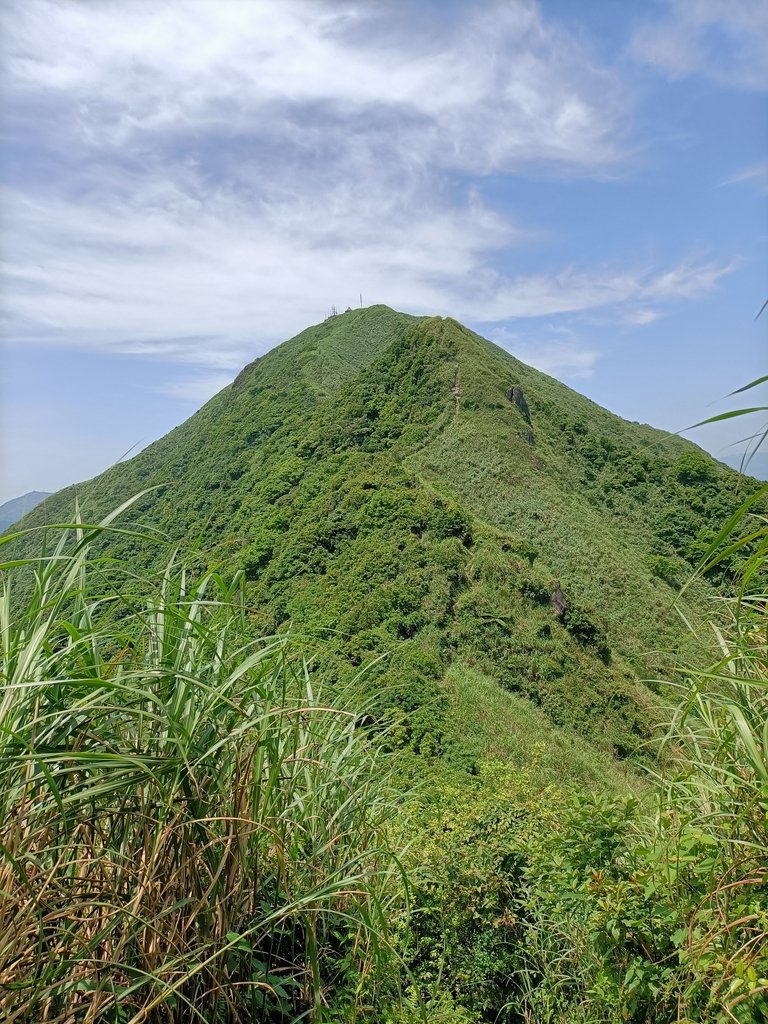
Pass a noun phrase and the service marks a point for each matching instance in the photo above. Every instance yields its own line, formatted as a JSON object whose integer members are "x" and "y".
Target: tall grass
{"x": 189, "y": 832}
{"x": 719, "y": 735}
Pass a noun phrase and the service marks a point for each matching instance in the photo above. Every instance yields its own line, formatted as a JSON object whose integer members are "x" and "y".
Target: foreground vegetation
{"x": 190, "y": 832}
{"x": 661, "y": 914}
{"x": 382, "y": 746}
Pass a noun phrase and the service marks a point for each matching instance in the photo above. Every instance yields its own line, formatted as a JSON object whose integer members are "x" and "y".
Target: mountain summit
{"x": 399, "y": 486}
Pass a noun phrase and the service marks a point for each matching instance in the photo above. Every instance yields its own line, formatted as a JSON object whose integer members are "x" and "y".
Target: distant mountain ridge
{"x": 13, "y": 510}
{"x": 399, "y": 488}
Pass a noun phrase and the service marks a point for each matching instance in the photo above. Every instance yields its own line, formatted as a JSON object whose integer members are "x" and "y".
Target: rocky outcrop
{"x": 515, "y": 394}
{"x": 558, "y": 601}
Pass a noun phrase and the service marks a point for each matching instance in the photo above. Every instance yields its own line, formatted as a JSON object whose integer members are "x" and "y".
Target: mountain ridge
{"x": 399, "y": 486}
{"x": 15, "y": 508}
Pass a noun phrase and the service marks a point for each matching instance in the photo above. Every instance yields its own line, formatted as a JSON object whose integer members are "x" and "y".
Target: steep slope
{"x": 401, "y": 487}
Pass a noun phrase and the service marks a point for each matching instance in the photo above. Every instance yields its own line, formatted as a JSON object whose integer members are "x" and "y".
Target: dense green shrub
{"x": 694, "y": 467}
{"x": 467, "y": 871}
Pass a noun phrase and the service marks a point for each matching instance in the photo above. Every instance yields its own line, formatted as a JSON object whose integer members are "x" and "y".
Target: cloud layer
{"x": 558, "y": 351}
{"x": 203, "y": 179}
{"x": 496, "y": 88}
{"x": 725, "y": 40}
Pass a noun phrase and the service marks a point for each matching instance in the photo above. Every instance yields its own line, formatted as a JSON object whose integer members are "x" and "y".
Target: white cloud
{"x": 196, "y": 389}
{"x": 493, "y": 89}
{"x": 576, "y": 290}
{"x": 725, "y": 40}
{"x": 557, "y": 351}
{"x": 221, "y": 173}
{"x": 641, "y": 317}
{"x": 142, "y": 275}
{"x": 757, "y": 174}
{"x": 213, "y": 282}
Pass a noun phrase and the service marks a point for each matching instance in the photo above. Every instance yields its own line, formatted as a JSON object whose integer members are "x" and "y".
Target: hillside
{"x": 401, "y": 487}
{"x": 11, "y": 511}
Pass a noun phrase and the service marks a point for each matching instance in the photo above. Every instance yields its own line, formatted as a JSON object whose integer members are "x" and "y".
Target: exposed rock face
{"x": 515, "y": 394}
{"x": 558, "y": 601}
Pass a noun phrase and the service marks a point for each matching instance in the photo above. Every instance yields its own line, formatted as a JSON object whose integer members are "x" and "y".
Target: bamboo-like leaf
{"x": 166, "y": 766}
{"x": 731, "y": 414}
{"x": 752, "y": 384}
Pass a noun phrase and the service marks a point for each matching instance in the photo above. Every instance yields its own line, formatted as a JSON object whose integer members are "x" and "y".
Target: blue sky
{"x": 187, "y": 184}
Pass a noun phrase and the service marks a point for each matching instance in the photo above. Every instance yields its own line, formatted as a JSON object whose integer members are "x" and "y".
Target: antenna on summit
{"x": 361, "y": 300}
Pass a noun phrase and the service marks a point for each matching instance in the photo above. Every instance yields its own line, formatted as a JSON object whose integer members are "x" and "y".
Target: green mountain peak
{"x": 404, "y": 492}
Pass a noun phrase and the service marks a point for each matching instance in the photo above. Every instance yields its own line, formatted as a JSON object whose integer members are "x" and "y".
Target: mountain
{"x": 399, "y": 488}
{"x": 14, "y": 509}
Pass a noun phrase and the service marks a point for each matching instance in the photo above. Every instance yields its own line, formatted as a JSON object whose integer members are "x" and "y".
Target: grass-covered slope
{"x": 402, "y": 487}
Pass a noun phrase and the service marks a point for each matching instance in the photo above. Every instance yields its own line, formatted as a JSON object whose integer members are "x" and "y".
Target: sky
{"x": 187, "y": 184}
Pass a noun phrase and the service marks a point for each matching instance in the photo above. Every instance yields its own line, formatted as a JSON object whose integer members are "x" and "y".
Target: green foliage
{"x": 372, "y": 502}
{"x": 664, "y": 567}
{"x": 666, "y": 907}
{"x": 538, "y": 904}
{"x": 467, "y": 874}
{"x": 695, "y": 467}
{"x": 192, "y": 832}
{"x": 189, "y": 830}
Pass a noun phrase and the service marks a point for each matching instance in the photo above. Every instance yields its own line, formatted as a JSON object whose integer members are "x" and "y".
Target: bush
{"x": 664, "y": 568}
{"x": 694, "y": 467}
{"x": 467, "y": 871}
